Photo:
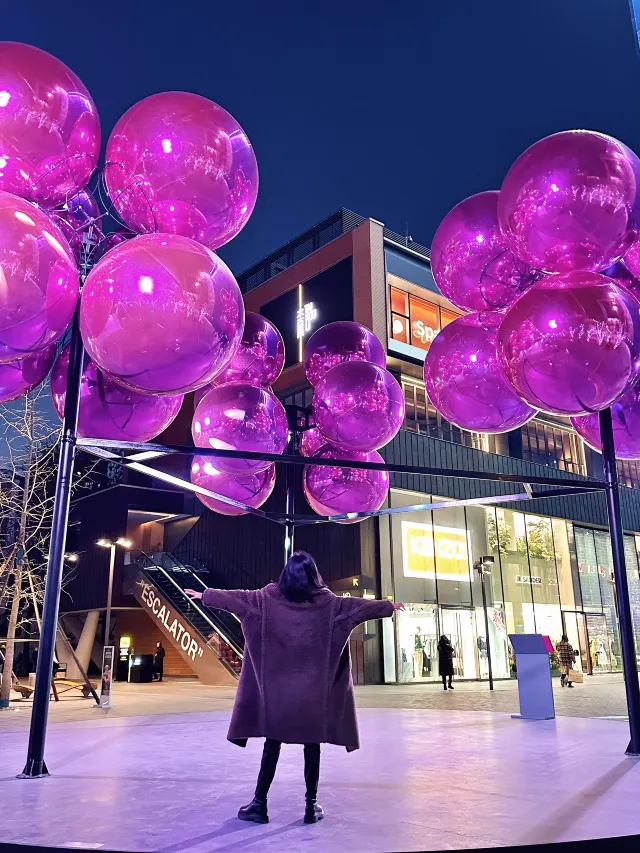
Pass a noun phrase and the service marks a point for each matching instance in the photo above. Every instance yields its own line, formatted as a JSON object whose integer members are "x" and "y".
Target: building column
{"x": 83, "y": 649}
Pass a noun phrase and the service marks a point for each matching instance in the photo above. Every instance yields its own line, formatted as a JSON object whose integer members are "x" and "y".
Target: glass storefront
{"x": 548, "y": 577}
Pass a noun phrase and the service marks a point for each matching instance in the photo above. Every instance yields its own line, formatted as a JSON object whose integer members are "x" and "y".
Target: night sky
{"x": 395, "y": 110}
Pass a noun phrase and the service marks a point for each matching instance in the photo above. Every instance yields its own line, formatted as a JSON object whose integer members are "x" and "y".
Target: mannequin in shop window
{"x": 418, "y": 654}
{"x": 445, "y": 661}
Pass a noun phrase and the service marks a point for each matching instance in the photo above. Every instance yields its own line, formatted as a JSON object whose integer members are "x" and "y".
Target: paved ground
{"x": 599, "y": 696}
{"x": 423, "y": 780}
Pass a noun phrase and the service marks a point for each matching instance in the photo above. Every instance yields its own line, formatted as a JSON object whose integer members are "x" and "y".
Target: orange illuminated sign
{"x": 429, "y": 548}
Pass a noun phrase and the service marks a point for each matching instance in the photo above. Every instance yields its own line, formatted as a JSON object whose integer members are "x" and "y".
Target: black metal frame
{"x": 140, "y": 453}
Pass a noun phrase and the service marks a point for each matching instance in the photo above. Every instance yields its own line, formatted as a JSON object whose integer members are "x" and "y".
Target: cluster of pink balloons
{"x": 549, "y": 263}
{"x": 358, "y": 407}
{"x": 240, "y": 412}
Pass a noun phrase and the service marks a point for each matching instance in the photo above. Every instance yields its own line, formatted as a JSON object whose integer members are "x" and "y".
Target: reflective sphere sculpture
{"x": 240, "y": 417}
{"x": 181, "y": 164}
{"x": 625, "y": 414}
{"x": 339, "y": 342}
{"x": 249, "y": 489}
{"x": 161, "y": 314}
{"x": 38, "y": 278}
{"x": 260, "y": 357}
{"x": 17, "y": 378}
{"x": 470, "y": 261}
{"x": 359, "y": 406}
{"x": 76, "y": 217}
{"x": 107, "y": 410}
{"x": 570, "y": 202}
{"x": 569, "y": 345}
{"x": 312, "y": 440}
{"x": 465, "y": 382}
{"x": 335, "y": 491}
{"x": 49, "y": 126}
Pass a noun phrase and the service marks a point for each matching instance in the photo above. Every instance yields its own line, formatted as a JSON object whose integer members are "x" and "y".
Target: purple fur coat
{"x": 296, "y": 684}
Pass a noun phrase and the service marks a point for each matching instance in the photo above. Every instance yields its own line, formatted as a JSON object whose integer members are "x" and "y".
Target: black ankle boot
{"x": 313, "y": 812}
{"x": 255, "y": 812}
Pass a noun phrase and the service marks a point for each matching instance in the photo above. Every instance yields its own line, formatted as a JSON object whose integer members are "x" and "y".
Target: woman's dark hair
{"x": 565, "y": 639}
{"x": 300, "y": 578}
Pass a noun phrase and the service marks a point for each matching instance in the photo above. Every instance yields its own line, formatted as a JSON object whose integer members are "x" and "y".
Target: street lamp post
{"x": 483, "y": 567}
{"x": 107, "y": 543}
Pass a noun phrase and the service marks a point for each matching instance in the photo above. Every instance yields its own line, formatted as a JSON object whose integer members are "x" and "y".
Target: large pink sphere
{"x": 38, "y": 280}
{"x": 311, "y": 441}
{"x": 49, "y": 126}
{"x": 569, "y": 202}
{"x": 569, "y": 345}
{"x": 181, "y": 164}
{"x": 469, "y": 259}
{"x": 107, "y": 410}
{"x": 260, "y": 357}
{"x": 465, "y": 382}
{"x": 335, "y": 491}
{"x": 337, "y": 343}
{"x": 240, "y": 417}
{"x": 17, "y": 378}
{"x": 625, "y": 415}
{"x": 249, "y": 489}
{"x": 358, "y": 406}
{"x": 161, "y": 314}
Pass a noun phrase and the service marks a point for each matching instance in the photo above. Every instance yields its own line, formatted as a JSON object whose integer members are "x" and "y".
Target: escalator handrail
{"x": 199, "y": 610}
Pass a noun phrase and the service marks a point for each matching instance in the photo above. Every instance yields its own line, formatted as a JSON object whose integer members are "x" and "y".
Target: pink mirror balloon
{"x": 311, "y": 441}
{"x": 39, "y": 278}
{"x": 570, "y": 344}
{"x": 107, "y": 410}
{"x": 340, "y": 342}
{"x": 17, "y": 378}
{"x": 161, "y": 314}
{"x": 240, "y": 417}
{"x": 181, "y": 164}
{"x": 249, "y": 489}
{"x": 570, "y": 202}
{"x": 335, "y": 491}
{"x": 77, "y": 217}
{"x": 260, "y": 357}
{"x": 359, "y": 406}
{"x": 625, "y": 414}
{"x": 49, "y": 126}
{"x": 465, "y": 382}
{"x": 469, "y": 259}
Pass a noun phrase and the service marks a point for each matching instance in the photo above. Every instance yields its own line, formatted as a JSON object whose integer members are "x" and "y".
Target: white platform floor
{"x": 423, "y": 780}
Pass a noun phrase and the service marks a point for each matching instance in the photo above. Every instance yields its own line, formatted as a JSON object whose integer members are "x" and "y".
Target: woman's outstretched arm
{"x": 238, "y": 601}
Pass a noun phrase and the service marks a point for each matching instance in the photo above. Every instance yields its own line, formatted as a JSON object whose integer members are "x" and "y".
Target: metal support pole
{"x": 290, "y": 499}
{"x": 35, "y": 766}
{"x": 486, "y": 629}
{"x": 620, "y": 575}
{"x": 112, "y": 563}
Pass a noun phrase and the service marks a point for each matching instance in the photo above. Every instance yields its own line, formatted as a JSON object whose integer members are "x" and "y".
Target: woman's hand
{"x": 398, "y": 605}
{"x": 193, "y": 594}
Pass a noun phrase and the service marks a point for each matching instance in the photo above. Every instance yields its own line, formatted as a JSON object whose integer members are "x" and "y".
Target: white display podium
{"x": 534, "y": 676}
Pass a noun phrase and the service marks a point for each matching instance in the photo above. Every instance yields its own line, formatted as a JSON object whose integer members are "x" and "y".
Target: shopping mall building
{"x": 552, "y": 570}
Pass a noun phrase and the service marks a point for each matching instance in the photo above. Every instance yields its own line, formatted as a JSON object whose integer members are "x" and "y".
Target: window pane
{"x": 447, "y": 317}
{"x": 399, "y": 301}
{"x": 400, "y": 328}
{"x": 425, "y": 323}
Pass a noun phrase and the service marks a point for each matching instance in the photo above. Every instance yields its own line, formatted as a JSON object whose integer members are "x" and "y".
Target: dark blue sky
{"x": 395, "y": 110}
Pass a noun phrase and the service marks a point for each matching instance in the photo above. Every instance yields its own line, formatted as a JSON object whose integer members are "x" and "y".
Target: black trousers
{"x": 270, "y": 756}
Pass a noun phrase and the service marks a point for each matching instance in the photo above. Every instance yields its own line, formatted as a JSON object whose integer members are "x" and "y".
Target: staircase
{"x": 210, "y": 640}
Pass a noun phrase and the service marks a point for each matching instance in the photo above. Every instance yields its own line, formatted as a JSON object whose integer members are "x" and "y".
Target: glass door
{"x": 458, "y": 625}
{"x": 599, "y": 645}
{"x": 576, "y": 630}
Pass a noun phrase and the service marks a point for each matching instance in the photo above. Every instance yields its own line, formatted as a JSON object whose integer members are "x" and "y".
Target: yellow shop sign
{"x": 426, "y": 547}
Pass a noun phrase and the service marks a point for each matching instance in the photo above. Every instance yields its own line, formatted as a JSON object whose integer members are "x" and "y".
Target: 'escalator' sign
{"x": 172, "y": 622}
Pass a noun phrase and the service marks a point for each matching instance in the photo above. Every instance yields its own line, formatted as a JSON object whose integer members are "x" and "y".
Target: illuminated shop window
{"x": 629, "y": 473}
{"x": 415, "y": 321}
{"x": 421, "y": 416}
{"x": 552, "y": 446}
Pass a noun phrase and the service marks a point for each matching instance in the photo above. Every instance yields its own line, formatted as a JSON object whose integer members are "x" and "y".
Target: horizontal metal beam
{"x": 150, "y": 451}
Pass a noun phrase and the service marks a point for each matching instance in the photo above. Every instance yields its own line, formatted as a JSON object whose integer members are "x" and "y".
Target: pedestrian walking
{"x": 566, "y": 657}
{"x": 158, "y": 661}
{"x": 296, "y": 685}
{"x": 446, "y": 653}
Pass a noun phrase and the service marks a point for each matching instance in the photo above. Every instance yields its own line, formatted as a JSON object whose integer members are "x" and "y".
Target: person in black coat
{"x": 158, "y": 661}
{"x": 445, "y": 660}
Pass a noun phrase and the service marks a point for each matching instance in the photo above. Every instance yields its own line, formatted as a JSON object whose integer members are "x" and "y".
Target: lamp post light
{"x": 107, "y": 543}
{"x": 483, "y": 567}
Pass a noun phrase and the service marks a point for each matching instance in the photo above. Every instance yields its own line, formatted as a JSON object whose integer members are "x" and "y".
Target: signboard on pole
{"x": 107, "y": 676}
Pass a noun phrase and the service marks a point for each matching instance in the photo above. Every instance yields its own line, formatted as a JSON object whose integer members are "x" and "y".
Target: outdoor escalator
{"x": 220, "y": 630}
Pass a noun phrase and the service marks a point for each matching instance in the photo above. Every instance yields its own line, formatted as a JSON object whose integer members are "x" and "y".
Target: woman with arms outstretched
{"x": 295, "y": 685}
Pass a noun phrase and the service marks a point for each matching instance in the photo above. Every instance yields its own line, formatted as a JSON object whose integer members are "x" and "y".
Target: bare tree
{"x": 27, "y": 485}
